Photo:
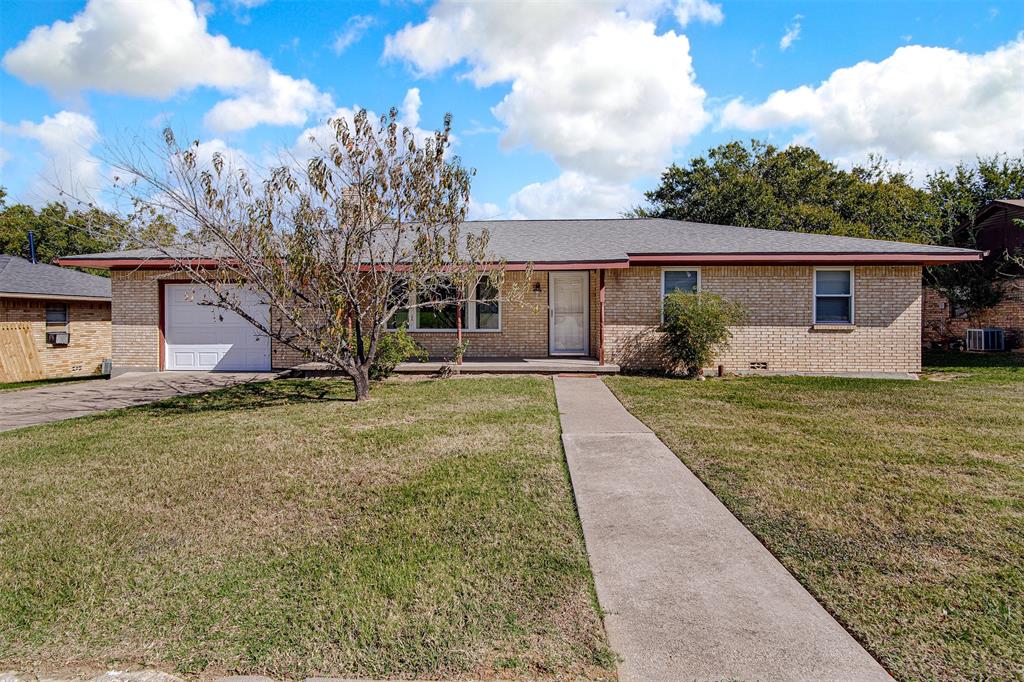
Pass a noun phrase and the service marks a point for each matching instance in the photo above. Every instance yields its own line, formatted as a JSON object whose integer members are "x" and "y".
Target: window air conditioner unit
{"x": 57, "y": 338}
{"x": 986, "y": 339}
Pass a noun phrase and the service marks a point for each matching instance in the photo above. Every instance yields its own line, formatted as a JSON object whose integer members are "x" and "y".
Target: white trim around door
{"x": 569, "y": 312}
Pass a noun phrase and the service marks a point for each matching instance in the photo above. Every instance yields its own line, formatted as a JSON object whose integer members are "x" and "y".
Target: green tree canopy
{"x": 793, "y": 189}
{"x": 60, "y": 231}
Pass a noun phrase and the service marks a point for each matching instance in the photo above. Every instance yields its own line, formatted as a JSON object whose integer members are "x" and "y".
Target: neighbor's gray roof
{"x": 601, "y": 240}
{"x": 20, "y": 276}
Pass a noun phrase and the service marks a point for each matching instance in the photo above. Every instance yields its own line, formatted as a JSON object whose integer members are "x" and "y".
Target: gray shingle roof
{"x": 600, "y": 240}
{"x": 20, "y": 276}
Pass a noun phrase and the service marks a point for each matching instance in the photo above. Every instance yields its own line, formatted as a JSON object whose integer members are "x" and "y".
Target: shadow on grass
{"x": 39, "y": 383}
{"x": 941, "y": 359}
{"x": 255, "y": 395}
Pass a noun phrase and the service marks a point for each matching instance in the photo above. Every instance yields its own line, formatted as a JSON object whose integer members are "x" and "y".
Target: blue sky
{"x": 564, "y": 109}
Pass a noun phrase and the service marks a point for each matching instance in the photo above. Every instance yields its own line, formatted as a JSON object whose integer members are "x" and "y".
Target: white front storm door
{"x": 569, "y": 317}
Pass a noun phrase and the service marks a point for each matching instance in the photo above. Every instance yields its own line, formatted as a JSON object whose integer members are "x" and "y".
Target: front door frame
{"x": 584, "y": 275}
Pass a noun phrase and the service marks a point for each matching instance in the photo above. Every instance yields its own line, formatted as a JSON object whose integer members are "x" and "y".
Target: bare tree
{"x": 333, "y": 245}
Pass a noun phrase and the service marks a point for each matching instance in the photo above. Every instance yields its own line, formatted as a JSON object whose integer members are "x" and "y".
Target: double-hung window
{"x": 679, "y": 279}
{"x": 480, "y": 311}
{"x": 833, "y": 296}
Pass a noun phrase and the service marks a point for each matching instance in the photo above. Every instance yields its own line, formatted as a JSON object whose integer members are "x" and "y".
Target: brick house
{"x": 997, "y": 234}
{"x": 816, "y": 303}
{"x": 65, "y": 313}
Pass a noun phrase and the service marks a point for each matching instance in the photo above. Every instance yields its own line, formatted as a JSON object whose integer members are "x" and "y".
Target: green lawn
{"x": 899, "y": 504}
{"x": 281, "y": 528}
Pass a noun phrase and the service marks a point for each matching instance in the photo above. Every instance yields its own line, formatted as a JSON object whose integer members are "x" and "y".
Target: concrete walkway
{"x": 31, "y": 406}
{"x": 689, "y": 593}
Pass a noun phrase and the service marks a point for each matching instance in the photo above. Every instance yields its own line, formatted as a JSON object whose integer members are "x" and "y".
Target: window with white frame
{"x": 679, "y": 279}
{"x": 481, "y": 312}
{"x": 833, "y": 296}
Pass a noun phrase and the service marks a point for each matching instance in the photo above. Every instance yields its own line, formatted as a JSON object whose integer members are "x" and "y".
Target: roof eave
{"x": 804, "y": 258}
{"x": 54, "y": 297}
{"x": 633, "y": 259}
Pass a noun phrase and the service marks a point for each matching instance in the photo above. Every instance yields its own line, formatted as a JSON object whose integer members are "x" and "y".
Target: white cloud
{"x": 281, "y": 100}
{"x": 66, "y": 140}
{"x": 411, "y": 108}
{"x": 592, "y": 84}
{"x": 925, "y": 104}
{"x": 792, "y": 33}
{"x": 352, "y": 32}
{"x": 483, "y": 210}
{"x": 5, "y": 156}
{"x": 573, "y": 195}
{"x": 234, "y": 159}
{"x": 155, "y": 49}
{"x": 698, "y": 10}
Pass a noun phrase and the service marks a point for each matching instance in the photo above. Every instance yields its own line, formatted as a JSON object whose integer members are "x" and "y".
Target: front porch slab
{"x": 550, "y": 365}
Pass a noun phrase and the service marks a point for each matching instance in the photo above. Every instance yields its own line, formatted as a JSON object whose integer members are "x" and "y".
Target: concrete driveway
{"x": 32, "y": 406}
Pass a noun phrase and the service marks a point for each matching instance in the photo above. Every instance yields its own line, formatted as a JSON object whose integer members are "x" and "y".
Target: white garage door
{"x": 199, "y": 337}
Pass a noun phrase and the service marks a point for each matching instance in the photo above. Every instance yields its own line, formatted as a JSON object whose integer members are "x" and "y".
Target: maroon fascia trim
{"x": 638, "y": 259}
{"x": 804, "y": 258}
{"x": 170, "y": 264}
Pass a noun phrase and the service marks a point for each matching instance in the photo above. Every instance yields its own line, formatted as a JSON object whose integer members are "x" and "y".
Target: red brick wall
{"x": 939, "y": 327}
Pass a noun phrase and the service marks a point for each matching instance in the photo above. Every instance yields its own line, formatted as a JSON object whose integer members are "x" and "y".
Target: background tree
{"x": 61, "y": 231}
{"x": 957, "y": 196}
{"x": 333, "y": 246}
{"x": 58, "y": 230}
{"x": 793, "y": 189}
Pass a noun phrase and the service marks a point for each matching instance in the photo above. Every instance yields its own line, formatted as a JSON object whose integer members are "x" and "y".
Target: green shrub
{"x": 393, "y": 348}
{"x": 696, "y": 328}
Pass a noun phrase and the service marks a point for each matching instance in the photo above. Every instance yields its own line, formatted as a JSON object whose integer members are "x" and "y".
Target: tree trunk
{"x": 361, "y": 381}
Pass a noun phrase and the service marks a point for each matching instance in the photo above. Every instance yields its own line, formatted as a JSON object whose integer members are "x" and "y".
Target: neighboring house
{"x": 816, "y": 303}
{"x": 997, "y": 234}
{"x": 64, "y": 314}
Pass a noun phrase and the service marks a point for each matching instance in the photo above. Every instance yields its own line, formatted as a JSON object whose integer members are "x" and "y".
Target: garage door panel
{"x": 199, "y": 336}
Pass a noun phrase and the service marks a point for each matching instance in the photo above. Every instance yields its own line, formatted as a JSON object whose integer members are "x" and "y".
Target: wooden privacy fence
{"x": 19, "y": 360}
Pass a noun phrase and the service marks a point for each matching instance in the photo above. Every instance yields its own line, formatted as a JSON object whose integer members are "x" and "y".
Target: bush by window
{"x": 696, "y": 328}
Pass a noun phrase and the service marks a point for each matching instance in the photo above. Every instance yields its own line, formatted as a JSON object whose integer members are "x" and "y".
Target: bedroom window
{"x": 833, "y": 296}
{"x": 679, "y": 279}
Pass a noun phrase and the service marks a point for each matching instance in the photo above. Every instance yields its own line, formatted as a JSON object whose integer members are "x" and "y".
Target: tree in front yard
{"x": 334, "y": 244}
{"x": 696, "y": 327}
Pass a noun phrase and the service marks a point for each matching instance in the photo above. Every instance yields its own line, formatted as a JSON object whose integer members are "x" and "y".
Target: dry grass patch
{"x": 900, "y": 505}
{"x": 281, "y": 528}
